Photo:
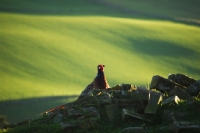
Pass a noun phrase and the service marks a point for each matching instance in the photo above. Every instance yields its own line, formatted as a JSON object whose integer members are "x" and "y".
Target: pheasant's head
{"x": 100, "y": 68}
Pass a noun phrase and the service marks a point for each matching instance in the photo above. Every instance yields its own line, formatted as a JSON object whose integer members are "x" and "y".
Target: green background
{"x": 49, "y": 49}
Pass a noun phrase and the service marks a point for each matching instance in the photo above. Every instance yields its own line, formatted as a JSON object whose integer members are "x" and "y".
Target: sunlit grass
{"x": 58, "y": 55}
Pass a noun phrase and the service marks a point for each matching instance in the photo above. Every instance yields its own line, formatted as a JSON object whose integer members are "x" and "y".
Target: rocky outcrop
{"x": 129, "y": 103}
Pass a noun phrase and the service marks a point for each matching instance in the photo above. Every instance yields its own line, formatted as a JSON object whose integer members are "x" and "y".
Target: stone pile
{"x": 3, "y": 121}
{"x": 132, "y": 103}
{"x": 177, "y": 84}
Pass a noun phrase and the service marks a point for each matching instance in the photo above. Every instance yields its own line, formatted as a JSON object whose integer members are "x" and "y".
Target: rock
{"x": 85, "y": 101}
{"x": 58, "y": 118}
{"x": 3, "y": 121}
{"x": 90, "y": 112}
{"x": 168, "y": 115}
{"x": 103, "y": 98}
{"x": 162, "y": 84}
{"x": 124, "y": 87}
{"x": 133, "y": 130}
{"x": 140, "y": 107}
{"x": 121, "y": 90}
{"x": 181, "y": 93}
{"x": 173, "y": 116}
{"x": 194, "y": 105}
{"x": 66, "y": 127}
{"x": 155, "y": 98}
{"x": 126, "y": 114}
{"x": 134, "y": 102}
{"x": 181, "y": 115}
{"x": 74, "y": 112}
{"x": 81, "y": 113}
{"x": 111, "y": 111}
{"x": 116, "y": 93}
{"x": 125, "y": 100}
{"x": 172, "y": 99}
{"x": 181, "y": 79}
{"x": 138, "y": 104}
{"x": 194, "y": 89}
{"x": 86, "y": 117}
{"x": 88, "y": 123}
{"x": 116, "y": 87}
{"x": 184, "y": 127}
{"x": 140, "y": 94}
{"x": 128, "y": 87}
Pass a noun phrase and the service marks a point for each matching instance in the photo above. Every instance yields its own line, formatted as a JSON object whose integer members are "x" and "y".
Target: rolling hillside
{"x": 54, "y": 55}
{"x": 176, "y": 10}
{"x": 52, "y": 48}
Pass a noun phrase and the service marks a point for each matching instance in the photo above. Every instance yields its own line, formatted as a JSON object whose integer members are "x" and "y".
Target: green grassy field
{"x": 53, "y": 49}
{"x": 170, "y": 9}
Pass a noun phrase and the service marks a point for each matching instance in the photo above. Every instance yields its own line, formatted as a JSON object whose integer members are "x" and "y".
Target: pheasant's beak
{"x": 101, "y": 67}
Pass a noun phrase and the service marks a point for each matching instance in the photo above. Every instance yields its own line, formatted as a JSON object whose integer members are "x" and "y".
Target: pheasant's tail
{"x": 54, "y": 109}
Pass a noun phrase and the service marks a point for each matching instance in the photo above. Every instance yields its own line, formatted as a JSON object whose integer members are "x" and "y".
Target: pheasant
{"x": 99, "y": 82}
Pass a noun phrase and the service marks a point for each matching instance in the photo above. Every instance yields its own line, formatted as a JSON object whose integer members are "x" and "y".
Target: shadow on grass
{"x": 83, "y": 7}
{"x": 161, "y": 48}
{"x": 19, "y": 110}
{"x": 51, "y": 7}
{"x": 177, "y": 55}
{"x": 157, "y": 48}
{"x": 152, "y": 47}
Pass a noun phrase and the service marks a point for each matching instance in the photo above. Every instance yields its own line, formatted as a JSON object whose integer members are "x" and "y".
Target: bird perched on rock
{"x": 99, "y": 82}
